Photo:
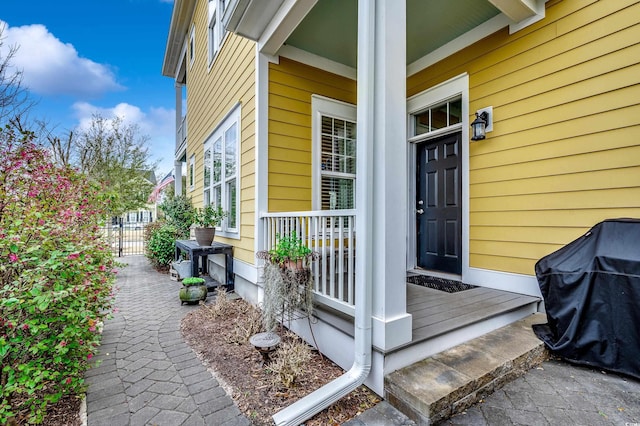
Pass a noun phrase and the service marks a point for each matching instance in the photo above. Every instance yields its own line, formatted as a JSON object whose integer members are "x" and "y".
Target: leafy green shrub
{"x": 178, "y": 211}
{"x": 162, "y": 245}
{"x": 56, "y": 277}
{"x": 150, "y": 229}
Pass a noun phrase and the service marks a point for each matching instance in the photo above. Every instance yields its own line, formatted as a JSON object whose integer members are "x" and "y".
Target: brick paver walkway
{"x": 148, "y": 375}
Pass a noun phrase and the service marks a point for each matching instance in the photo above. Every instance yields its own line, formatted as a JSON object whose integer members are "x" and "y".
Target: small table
{"x": 196, "y": 252}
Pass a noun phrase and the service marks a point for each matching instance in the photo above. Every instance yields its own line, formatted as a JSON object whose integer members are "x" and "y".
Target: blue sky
{"x": 96, "y": 56}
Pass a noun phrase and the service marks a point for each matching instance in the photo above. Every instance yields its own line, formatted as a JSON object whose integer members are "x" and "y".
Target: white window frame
{"x": 192, "y": 172}
{"x": 191, "y": 50}
{"x": 215, "y": 29}
{"x": 327, "y": 107}
{"x": 219, "y": 134}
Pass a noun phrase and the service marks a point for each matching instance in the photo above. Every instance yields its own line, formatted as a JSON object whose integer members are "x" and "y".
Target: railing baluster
{"x": 316, "y": 248}
{"x": 350, "y": 259}
{"x": 324, "y": 252}
{"x": 332, "y": 259}
{"x": 331, "y": 235}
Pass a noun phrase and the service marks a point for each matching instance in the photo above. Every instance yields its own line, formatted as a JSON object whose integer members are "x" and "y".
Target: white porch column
{"x": 177, "y": 173}
{"x": 382, "y": 159}
{"x": 177, "y": 165}
{"x": 178, "y": 87}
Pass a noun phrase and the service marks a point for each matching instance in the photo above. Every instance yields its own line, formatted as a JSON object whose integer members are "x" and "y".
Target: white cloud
{"x": 157, "y": 123}
{"x": 51, "y": 67}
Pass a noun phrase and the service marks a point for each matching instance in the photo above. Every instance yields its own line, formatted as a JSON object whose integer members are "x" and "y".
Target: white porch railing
{"x": 181, "y": 134}
{"x": 331, "y": 234}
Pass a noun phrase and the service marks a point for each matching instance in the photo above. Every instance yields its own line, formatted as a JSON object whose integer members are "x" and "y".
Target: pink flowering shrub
{"x": 56, "y": 278}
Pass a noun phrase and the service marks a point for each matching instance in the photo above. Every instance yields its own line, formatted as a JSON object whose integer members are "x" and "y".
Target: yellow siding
{"x": 565, "y": 150}
{"x": 291, "y": 85}
{"x": 211, "y": 93}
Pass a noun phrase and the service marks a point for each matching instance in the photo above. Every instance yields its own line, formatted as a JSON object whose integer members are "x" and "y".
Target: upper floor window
{"x": 334, "y": 154}
{"x": 192, "y": 171}
{"x": 192, "y": 45}
{"x": 221, "y": 170}
{"x": 216, "y": 31}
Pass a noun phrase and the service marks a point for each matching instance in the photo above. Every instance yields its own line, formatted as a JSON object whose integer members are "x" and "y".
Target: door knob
{"x": 420, "y": 211}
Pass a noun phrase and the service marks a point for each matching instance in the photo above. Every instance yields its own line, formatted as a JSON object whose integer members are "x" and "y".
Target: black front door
{"x": 438, "y": 204}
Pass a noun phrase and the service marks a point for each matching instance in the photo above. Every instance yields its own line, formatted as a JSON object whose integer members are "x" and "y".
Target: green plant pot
{"x": 193, "y": 293}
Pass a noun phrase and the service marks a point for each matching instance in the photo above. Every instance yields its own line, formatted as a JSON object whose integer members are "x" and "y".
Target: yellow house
{"x": 277, "y": 90}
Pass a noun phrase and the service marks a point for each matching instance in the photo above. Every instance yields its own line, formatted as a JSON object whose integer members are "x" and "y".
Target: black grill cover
{"x": 591, "y": 290}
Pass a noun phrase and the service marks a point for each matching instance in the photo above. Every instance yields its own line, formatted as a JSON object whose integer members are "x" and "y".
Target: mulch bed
{"x": 253, "y": 387}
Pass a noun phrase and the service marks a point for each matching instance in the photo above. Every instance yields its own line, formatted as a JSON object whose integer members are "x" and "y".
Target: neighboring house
{"x": 275, "y": 104}
{"x": 136, "y": 219}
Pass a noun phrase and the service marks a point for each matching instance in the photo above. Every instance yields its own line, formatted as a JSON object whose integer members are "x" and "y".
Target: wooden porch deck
{"x": 437, "y": 312}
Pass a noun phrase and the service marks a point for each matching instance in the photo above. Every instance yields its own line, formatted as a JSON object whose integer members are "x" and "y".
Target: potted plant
{"x": 290, "y": 252}
{"x": 193, "y": 290}
{"x": 288, "y": 290}
{"x": 205, "y": 220}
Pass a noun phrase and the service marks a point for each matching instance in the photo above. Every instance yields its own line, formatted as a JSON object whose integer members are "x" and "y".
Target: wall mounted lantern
{"x": 482, "y": 124}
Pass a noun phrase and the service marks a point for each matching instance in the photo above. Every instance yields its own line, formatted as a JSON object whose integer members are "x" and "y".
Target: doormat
{"x": 442, "y": 284}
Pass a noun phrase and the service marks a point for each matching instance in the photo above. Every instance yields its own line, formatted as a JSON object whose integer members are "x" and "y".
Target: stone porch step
{"x": 445, "y": 384}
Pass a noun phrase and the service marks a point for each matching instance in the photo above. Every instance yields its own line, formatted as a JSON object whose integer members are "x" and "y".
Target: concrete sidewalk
{"x": 148, "y": 374}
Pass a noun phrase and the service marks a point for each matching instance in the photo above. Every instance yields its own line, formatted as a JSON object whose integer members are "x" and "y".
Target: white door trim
{"x": 456, "y": 86}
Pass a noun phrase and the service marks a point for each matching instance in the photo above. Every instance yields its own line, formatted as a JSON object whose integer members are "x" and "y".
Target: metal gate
{"x": 126, "y": 238}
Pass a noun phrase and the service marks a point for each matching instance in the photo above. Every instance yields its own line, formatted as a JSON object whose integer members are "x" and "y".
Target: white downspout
{"x": 322, "y": 398}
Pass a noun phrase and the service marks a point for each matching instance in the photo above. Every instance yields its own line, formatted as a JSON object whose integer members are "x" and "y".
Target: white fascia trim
{"x": 522, "y": 13}
{"x": 246, "y": 270}
{"x": 467, "y": 39}
{"x": 323, "y": 106}
{"x": 507, "y": 281}
{"x": 319, "y": 62}
{"x": 287, "y": 19}
{"x": 261, "y": 146}
{"x": 540, "y": 11}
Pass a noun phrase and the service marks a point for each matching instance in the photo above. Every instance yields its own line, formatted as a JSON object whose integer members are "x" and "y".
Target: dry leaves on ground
{"x": 219, "y": 334}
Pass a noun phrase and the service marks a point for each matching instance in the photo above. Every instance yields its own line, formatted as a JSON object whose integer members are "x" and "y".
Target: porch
{"x": 440, "y": 320}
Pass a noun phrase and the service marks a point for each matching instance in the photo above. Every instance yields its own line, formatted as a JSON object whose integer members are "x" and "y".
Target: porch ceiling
{"x": 330, "y": 28}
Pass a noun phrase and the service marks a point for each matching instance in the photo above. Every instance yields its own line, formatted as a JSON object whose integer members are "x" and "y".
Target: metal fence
{"x": 126, "y": 238}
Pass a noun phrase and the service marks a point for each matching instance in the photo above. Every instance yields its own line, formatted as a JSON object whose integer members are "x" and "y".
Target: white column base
{"x": 392, "y": 332}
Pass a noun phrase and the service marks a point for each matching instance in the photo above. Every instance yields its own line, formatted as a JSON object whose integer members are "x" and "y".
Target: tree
{"x": 114, "y": 153}
{"x": 14, "y": 98}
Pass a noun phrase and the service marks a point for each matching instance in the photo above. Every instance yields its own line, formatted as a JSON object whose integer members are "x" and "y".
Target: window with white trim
{"x": 221, "y": 167}
{"x": 216, "y": 29}
{"x": 192, "y": 45}
{"x": 334, "y": 150}
{"x": 437, "y": 117}
{"x": 192, "y": 171}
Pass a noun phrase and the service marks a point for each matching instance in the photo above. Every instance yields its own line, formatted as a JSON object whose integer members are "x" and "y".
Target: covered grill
{"x": 591, "y": 290}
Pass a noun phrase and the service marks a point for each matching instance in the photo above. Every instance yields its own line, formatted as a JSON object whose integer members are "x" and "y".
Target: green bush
{"x": 56, "y": 277}
{"x": 178, "y": 211}
{"x": 162, "y": 244}
{"x": 150, "y": 229}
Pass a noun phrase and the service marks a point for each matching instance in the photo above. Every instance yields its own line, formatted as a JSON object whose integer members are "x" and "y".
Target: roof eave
{"x": 178, "y": 30}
